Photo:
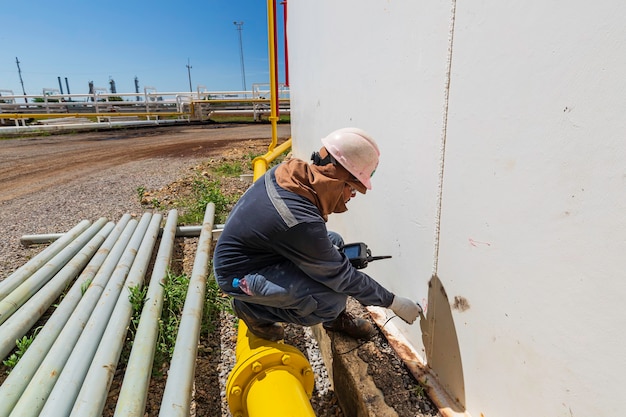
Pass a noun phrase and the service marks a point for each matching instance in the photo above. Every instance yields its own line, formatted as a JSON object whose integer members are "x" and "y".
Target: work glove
{"x": 406, "y": 309}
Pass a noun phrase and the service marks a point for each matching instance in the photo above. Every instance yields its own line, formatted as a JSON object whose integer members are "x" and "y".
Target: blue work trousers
{"x": 283, "y": 293}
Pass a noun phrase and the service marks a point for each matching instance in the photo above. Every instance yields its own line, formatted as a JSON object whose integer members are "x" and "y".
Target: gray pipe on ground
{"x": 22, "y": 273}
{"x": 23, "y": 372}
{"x": 93, "y": 392}
{"x": 38, "y": 388}
{"x": 27, "y": 315}
{"x": 176, "y": 399}
{"x": 181, "y": 231}
{"x": 67, "y": 386}
{"x": 74, "y": 364}
{"x": 30, "y": 286}
{"x": 132, "y": 398}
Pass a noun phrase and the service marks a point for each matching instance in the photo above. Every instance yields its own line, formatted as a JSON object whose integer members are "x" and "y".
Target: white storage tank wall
{"x": 531, "y": 241}
{"x": 535, "y": 176}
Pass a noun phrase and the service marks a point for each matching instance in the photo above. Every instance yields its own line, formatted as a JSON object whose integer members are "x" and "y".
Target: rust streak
{"x": 446, "y": 404}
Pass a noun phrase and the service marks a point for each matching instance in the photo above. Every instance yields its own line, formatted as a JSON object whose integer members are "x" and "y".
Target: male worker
{"x": 276, "y": 258}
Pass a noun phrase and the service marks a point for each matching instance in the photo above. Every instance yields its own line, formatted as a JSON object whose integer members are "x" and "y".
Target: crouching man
{"x": 278, "y": 261}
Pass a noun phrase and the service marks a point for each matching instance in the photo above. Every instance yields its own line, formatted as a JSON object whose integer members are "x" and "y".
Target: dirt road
{"x": 35, "y": 163}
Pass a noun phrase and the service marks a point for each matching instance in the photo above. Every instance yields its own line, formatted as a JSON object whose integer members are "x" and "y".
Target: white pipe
{"x": 41, "y": 384}
{"x": 177, "y": 394}
{"x": 26, "y": 289}
{"x": 86, "y": 96}
{"x": 93, "y": 393}
{"x": 181, "y": 231}
{"x": 66, "y": 388}
{"x": 39, "y": 238}
{"x": 22, "y": 273}
{"x": 22, "y": 373}
{"x": 25, "y": 317}
{"x": 133, "y": 394}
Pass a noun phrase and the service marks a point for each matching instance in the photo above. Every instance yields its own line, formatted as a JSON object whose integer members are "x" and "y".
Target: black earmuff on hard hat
{"x": 318, "y": 160}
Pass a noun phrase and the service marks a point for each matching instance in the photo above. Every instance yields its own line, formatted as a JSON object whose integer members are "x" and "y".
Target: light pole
{"x": 19, "y": 71}
{"x": 189, "y": 74}
{"x": 239, "y": 29}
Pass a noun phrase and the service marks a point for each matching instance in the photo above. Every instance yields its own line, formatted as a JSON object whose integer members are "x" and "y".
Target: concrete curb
{"x": 356, "y": 391}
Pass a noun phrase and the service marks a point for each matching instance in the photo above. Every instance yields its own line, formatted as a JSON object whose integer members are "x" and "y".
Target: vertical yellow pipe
{"x": 271, "y": 33}
{"x": 260, "y": 164}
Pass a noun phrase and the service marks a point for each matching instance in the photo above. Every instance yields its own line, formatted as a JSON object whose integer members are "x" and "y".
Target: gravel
{"x": 110, "y": 193}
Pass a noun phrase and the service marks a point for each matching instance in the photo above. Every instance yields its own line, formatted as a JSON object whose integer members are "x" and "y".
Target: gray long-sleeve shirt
{"x": 270, "y": 225}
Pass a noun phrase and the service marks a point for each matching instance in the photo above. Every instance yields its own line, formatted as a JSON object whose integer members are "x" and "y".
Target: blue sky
{"x": 92, "y": 40}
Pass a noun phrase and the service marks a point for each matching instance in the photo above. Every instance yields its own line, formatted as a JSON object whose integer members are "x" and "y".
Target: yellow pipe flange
{"x": 280, "y": 395}
{"x": 270, "y": 379}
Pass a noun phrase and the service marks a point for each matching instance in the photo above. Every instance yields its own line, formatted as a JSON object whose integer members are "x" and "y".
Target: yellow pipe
{"x": 272, "y": 58}
{"x": 262, "y": 397}
{"x": 270, "y": 379}
{"x": 260, "y": 163}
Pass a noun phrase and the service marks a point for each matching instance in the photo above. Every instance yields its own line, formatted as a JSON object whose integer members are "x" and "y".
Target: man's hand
{"x": 406, "y": 309}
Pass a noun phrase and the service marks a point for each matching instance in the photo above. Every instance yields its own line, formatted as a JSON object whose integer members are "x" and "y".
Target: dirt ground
{"x": 30, "y": 164}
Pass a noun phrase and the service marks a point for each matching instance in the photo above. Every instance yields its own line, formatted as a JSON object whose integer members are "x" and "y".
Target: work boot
{"x": 349, "y": 325}
{"x": 263, "y": 329}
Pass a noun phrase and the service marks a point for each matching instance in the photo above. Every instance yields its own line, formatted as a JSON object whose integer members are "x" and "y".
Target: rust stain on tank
{"x": 460, "y": 303}
{"x": 448, "y": 405}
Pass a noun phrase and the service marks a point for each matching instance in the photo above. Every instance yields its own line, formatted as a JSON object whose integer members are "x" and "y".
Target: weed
{"x": 156, "y": 204}
{"x": 137, "y": 298}
{"x": 85, "y": 286}
{"x": 230, "y": 169}
{"x": 250, "y": 157}
{"x": 22, "y": 344}
{"x": 419, "y": 390}
{"x": 174, "y": 294}
{"x": 204, "y": 191}
{"x": 141, "y": 191}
